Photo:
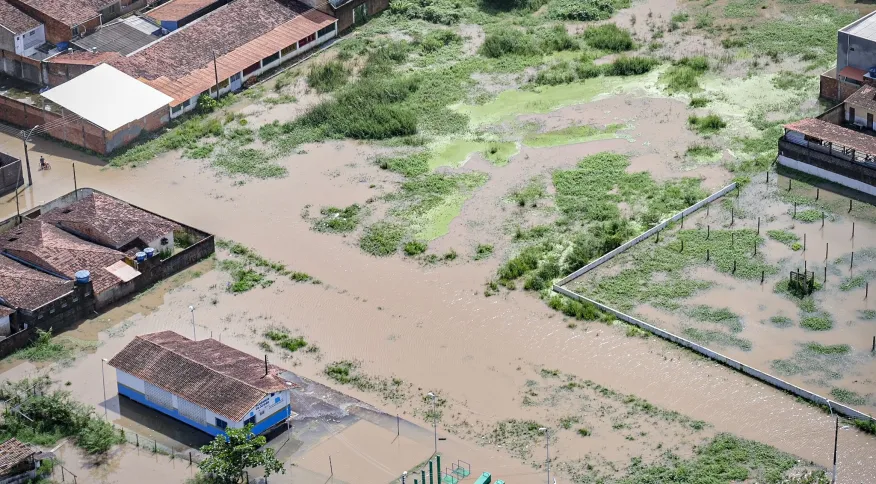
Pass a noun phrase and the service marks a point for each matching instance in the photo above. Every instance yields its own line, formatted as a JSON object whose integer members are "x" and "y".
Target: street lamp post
{"x": 103, "y": 380}
{"x": 192, "y": 310}
{"x": 434, "y": 420}
{"x": 26, "y": 157}
{"x": 547, "y": 439}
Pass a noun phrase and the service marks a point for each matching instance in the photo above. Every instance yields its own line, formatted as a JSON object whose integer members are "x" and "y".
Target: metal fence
{"x": 183, "y": 453}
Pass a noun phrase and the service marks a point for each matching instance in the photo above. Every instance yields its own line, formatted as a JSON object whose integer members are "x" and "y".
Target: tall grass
{"x": 708, "y": 124}
{"x": 584, "y": 10}
{"x": 508, "y": 41}
{"x": 609, "y": 37}
{"x": 684, "y": 74}
{"x": 328, "y": 77}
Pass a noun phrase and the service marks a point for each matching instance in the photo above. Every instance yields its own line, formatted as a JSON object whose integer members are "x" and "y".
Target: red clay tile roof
{"x": 43, "y": 245}
{"x": 109, "y": 221}
{"x": 27, "y": 288}
{"x": 15, "y": 20}
{"x": 240, "y": 33}
{"x": 176, "y": 10}
{"x": 864, "y": 98}
{"x": 207, "y": 373}
{"x": 853, "y": 73}
{"x": 82, "y": 57}
{"x": 4, "y": 311}
{"x": 13, "y": 453}
{"x": 69, "y": 12}
{"x": 825, "y": 131}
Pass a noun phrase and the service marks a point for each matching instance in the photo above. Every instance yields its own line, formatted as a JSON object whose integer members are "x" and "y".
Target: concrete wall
{"x": 20, "y": 67}
{"x": 854, "y": 51}
{"x": 80, "y": 132}
{"x": 63, "y": 312}
{"x": 828, "y": 166}
{"x": 33, "y": 38}
{"x": 131, "y": 131}
{"x": 57, "y": 73}
{"x": 16, "y": 341}
{"x": 7, "y": 40}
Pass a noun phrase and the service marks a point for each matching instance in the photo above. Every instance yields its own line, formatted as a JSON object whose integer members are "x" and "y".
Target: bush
{"x": 409, "y": 166}
{"x": 561, "y": 73}
{"x": 707, "y": 124}
{"x": 381, "y": 239}
{"x": 206, "y": 104}
{"x": 698, "y": 102}
{"x": 508, "y": 41}
{"x": 583, "y": 10}
{"x": 630, "y": 66}
{"x": 684, "y": 74}
{"x": 415, "y": 247}
{"x": 588, "y": 70}
{"x": 609, "y": 37}
{"x": 437, "y": 39}
{"x": 444, "y": 12}
{"x": 338, "y": 220}
{"x": 328, "y": 77}
{"x": 555, "y": 39}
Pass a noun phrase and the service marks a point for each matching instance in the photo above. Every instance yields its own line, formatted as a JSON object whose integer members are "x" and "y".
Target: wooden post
{"x": 817, "y": 193}
{"x": 850, "y": 205}
{"x": 762, "y": 275}
{"x": 866, "y": 290}
{"x": 76, "y": 190}
{"x": 873, "y": 349}
{"x": 826, "y": 247}
{"x": 768, "y": 176}
{"x": 732, "y": 239}
{"x": 755, "y": 247}
{"x": 734, "y": 266}
{"x": 758, "y": 226}
{"x": 682, "y": 219}
{"x": 804, "y": 242}
{"x": 708, "y": 255}
{"x": 822, "y": 219}
{"x": 682, "y": 245}
{"x": 795, "y": 210}
{"x": 825, "y": 274}
{"x": 853, "y": 230}
{"x": 852, "y": 262}
{"x": 789, "y": 184}
{"x": 804, "y": 267}
{"x": 732, "y": 216}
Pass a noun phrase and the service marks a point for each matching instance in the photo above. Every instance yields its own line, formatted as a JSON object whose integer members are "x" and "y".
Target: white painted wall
{"x": 156, "y": 244}
{"x": 5, "y": 326}
{"x": 827, "y": 175}
{"x": 130, "y": 381}
{"x": 30, "y": 40}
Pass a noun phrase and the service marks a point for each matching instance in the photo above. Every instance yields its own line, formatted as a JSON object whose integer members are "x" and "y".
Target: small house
{"x": 18, "y": 462}
{"x": 205, "y": 384}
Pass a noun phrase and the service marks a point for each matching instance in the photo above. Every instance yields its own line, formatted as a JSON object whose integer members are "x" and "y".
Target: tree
{"x": 239, "y": 449}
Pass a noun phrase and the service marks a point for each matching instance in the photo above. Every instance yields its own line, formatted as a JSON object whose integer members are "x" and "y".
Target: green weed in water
{"x": 328, "y": 76}
{"x": 382, "y": 239}
{"x": 782, "y": 321}
{"x": 822, "y": 322}
{"x": 783, "y": 236}
{"x": 847, "y": 396}
{"x": 609, "y": 37}
{"x": 415, "y": 247}
{"x": 338, "y": 220}
{"x": 709, "y": 124}
{"x": 710, "y": 337}
{"x": 821, "y": 349}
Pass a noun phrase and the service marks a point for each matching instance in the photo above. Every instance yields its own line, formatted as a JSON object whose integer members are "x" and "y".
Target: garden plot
{"x": 722, "y": 279}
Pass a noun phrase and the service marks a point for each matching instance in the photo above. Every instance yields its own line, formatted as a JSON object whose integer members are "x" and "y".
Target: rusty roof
{"x": 109, "y": 221}
{"x": 176, "y": 10}
{"x": 27, "y": 288}
{"x": 15, "y": 20}
{"x": 50, "y": 248}
{"x": 240, "y": 33}
{"x": 207, "y": 373}
{"x": 864, "y": 97}
{"x": 81, "y": 57}
{"x": 833, "y": 133}
{"x": 12, "y": 453}
{"x": 69, "y": 12}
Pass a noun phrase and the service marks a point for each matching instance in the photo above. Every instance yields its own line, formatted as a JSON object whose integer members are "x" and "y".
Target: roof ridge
{"x": 195, "y": 361}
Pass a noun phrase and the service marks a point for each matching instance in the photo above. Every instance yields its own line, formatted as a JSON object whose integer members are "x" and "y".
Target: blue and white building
{"x": 205, "y": 384}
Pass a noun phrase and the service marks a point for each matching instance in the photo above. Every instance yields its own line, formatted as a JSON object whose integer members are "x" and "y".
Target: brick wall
{"x": 80, "y": 133}
{"x": 345, "y": 13}
{"x": 55, "y": 73}
{"x": 132, "y": 130}
{"x": 16, "y": 341}
{"x": 20, "y": 67}
{"x": 829, "y": 87}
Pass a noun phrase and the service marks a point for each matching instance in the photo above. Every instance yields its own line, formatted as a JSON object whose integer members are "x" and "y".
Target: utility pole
{"x": 75, "y": 185}
{"x": 26, "y": 157}
{"x": 195, "y": 336}
{"x": 216, "y": 73}
{"x": 835, "y": 441}
{"x": 103, "y": 380}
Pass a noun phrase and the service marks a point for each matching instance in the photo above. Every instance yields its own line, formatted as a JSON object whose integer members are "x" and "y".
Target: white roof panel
{"x": 108, "y": 97}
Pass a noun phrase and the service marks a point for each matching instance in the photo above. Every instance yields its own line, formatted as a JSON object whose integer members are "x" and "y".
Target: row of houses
{"x": 78, "y": 254}
{"x": 176, "y": 51}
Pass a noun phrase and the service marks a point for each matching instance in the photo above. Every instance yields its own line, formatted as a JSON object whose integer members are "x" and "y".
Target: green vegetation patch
{"x": 847, "y": 396}
{"x": 743, "y": 8}
{"x": 516, "y": 436}
{"x": 867, "y": 314}
{"x": 819, "y": 322}
{"x": 37, "y": 414}
{"x": 426, "y": 205}
{"x": 584, "y": 10}
{"x": 781, "y": 321}
{"x": 178, "y": 135}
{"x": 784, "y": 236}
{"x": 827, "y": 362}
{"x": 529, "y": 194}
{"x": 709, "y": 124}
{"x": 328, "y": 76}
{"x": 571, "y": 135}
{"x": 46, "y": 348}
{"x": 711, "y": 337}
{"x": 699, "y": 150}
{"x": 809, "y": 216}
{"x": 382, "y": 239}
{"x": 283, "y": 339}
{"x": 338, "y": 220}
{"x": 725, "y": 459}
{"x": 684, "y": 74}
{"x": 821, "y": 349}
{"x": 722, "y": 316}
{"x": 609, "y": 37}
{"x": 346, "y": 372}
{"x": 409, "y": 166}
{"x": 248, "y": 269}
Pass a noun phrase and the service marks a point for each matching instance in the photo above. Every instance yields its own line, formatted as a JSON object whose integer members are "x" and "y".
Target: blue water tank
{"x": 62, "y": 46}
{"x": 141, "y": 256}
{"x": 150, "y": 252}
{"x": 83, "y": 277}
{"x": 872, "y": 72}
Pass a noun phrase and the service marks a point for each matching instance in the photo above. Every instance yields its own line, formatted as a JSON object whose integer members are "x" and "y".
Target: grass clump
{"x": 609, "y": 37}
{"x": 584, "y": 10}
{"x": 847, "y": 396}
{"x": 382, "y": 239}
{"x": 248, "y": 269}
{"x": 436, "y": 39}
{"x": 821, "y": 349}
{"x": 284, "y": 340}
{"x": 179, "y": 135}
{"x": 339, "y": 220}
{"x": 698, "y": 102}
{"x": 708, "y": 124}
{"x": 529, "y": 194}
{"x": 868, "y": 426}
{"x": 783, "y": 236}
{"x": 409, "y": 166}
{"x": 808, "y": 216}
{"x": 709, "y": 337}
{"x": 699, "y": 150}
{"x": 583, "y": 432}
{"x": 415, "y": 247}
{"x": 483, "y": 251}
{"x": 722, "y": 316}
{"x": 51, "y": 416}
{"x": 508, "y": 41}
{"x": 630, "y": 66}
{"x": 781, "y": 321}
{"x": 684, "y": 74}
{"x": 516, "y": 436}
{"x": 867, "y": 314}
{"x": 46, "y": 348}
{"x": 328, "y": 76}
{"x": 819, "y": 322}
{"x": 726, "y": 458}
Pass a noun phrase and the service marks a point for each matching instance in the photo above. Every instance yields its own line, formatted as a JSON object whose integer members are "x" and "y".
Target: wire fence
{"x": 186, "y": 454}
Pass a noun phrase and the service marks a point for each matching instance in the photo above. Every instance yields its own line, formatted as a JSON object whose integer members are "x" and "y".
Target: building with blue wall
{"x": 205, "y": 384}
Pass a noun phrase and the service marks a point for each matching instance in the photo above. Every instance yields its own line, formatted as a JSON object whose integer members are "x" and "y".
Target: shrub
{"x": 609, "y": 37}
{"x": 583, "y": 10}
{"x": 684, "y": 74}
{"x": 630, "y": 66}
{"x": 555, "y": 39}
{"x": 328, "y": 76}
{"x": 206, "y": 104}
{"x": 415, "y": 247}
{"x": 409, "y": 166}
{"x": 817, "y": 323}
{"x": 508, "y": 41}
{"x": 437, "y": 39}
{"x": 709, "y": 124}
{"x": 584, "y": 432}
{"x": 588, "y": 70}
{"x": 381, "y": 239}
{"x": 698, "y": 102}
{"x": 561, "y": 73}
{"x": 444, "y": 12}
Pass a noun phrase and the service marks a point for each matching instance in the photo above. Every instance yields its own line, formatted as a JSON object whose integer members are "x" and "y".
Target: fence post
{"x": 817, "y": 193}
{"x": 795, "y": 210}
{"x": 758, "y": 226}
{"x": 762, "y": 275}
{"x": 190, "y": 458}
{"x": 853, "y": 230}
{"x": 708, "y": 255}
{"x": 804, "y": 242}
{"x": 825, "y": 274}
{"x": 852, "y": 263}
{"x": 732, "y": 216}
{"x": 822, "y": 219}
{"x": 734, "y": 266}
{"x": 850, "y": 205}
{"x": 708, "y": 230}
